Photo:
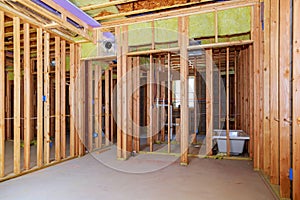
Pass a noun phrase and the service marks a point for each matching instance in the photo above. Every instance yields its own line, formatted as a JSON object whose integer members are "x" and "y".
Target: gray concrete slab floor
{"x": 88, "y": 178}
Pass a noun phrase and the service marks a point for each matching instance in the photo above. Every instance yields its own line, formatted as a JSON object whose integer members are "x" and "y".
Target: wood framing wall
{"x": 38, "y": 62}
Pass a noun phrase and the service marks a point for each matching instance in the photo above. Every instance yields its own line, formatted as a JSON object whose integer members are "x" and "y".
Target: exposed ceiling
{"x": 108, "y": 10}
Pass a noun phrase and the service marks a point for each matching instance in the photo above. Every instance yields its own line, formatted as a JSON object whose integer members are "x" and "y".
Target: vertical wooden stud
{"x": 39, "y": 97}
{"x": 27, "y": 99}
{"x": 17, "y": 94}
{"x": 209, "y": 100}
{"x": 107, "y": 99}
{"x": 57, "y": 99}
{"x": 274, "y": 105}
{"x": 169, "y": 103}
{"x": 63, "y": 99}
{"x": 184, "y": 71}
{"x": 90, "y": 106}
{"x": 266, "y": 117}
{"x": 72, "y": 99}
{"x": 285, "y": 96}
{"x": 119, "y": 94}
{"x": 227, "y": 103}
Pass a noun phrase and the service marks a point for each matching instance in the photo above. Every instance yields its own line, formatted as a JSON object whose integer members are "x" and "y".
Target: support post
{"x": 63, "y": 99}
{"x": 285, "y": 96}
{"x": 72, "y": 99}
{"x": 57, "y": 99}
{"x": 39, "y": 97}
{"x": 209, "y": 101}
{"x": 274, "y": 105}
{"x": 17, "y": 94}
{"x": 227, "y": 103}
{"x": 27, "y": 100}
{"x": 184, "y": 71}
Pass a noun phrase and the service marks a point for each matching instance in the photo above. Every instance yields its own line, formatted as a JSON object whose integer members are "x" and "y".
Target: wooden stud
{"x": 112, "y": 105}
{"x": 39, "y": 97}
{"x": 17, "y": 95}
{"x": 138, "y": 100}
{"x": 285, "y": 96}
{"x": 2, "y": 95}
{"x": 119, "y": 94}
{"x": 27, "y": 99}
{"x": 63, "y": 99}
{"x": 216, "y": 27}
{"x": 251, "y": 97}
{"x": 47, "y": 98}
{"x": 129, "y": 105}
{"x": 107, "y": 99}
{"x": 296, "y": 99}
{"x": 169, "y": 103}
{"x": 235, "y": 89}
{"x": 209, "y": 101}
{"x": 227, "y": 103}
{"x": 100, "y": 107}
{"x": 72, "y": 95}
{"x": 124, "y": 44}
{"x": 57, "y": 99}
{"x": 151, "y": 99}
{"x": 266, "y": 117}
{"x": 96, "y": 100}
{"x": 255, "y": 31}
{"x": 184, "y": 71}
{"x": 274, "y": 92}
{"x": 89, "y": 103}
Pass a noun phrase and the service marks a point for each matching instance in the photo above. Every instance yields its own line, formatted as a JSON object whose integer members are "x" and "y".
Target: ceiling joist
{"x": 105, "y": 5}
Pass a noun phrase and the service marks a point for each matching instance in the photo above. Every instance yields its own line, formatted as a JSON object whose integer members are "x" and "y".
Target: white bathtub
{"x": 237, "y": 140}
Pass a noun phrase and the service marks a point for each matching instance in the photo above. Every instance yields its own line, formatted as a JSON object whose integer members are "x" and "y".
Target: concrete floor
{"x": 100, "y": 176}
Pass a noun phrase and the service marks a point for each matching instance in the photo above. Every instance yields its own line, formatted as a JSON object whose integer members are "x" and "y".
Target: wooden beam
{"x": 57, "y": 99}
{"x": 27, "y": 99}
{"x": 47, "y": 98}
{"x": 285, "y": 96}
{"x": 216, "y": 27}
{"x": 17, "y": 95}
{"x": 169, "y": 103}
{"x": 107, "y": 99}
{"x": 112, "y": 106}
{"x": 104, "y": 5}
{"x": 119, "y": 94}
{"x": 129, "y": 106}
{"x": 184, "y": 72}
{"x": 100, "y": 122}
{"x": 72, "y": 99}
{"x": 39, "y": 97}
{"x": 274, "y": 105}
{"x": 255, "y": 32}
{"x": 227, "y": 103}
{"x": 296, "y": 99}
{"x": 90, "y": 101}
{"x": 11, "y": 12}
{"x": 2, "y": 95}
{"x": 60, "y": 20}
{"x": 266, "y": 117}
{"x": 124, "y": 44}
{"x": 151, "y": 99}
{"x": 63, "y": 98}
{"x": 209, "y": 100}
{"x": 97, "y": 107}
